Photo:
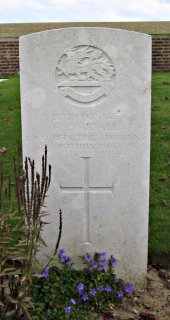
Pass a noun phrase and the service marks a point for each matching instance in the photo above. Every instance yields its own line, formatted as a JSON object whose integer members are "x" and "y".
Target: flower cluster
{"x": 100, "y": 261}
{"x": 107, "y": 287}
{"x": 94, "y": 287}
{"x": 84, "y": 296}
{"x": 63, "y": 257}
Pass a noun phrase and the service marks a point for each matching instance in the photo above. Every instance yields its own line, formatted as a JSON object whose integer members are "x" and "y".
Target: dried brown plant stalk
{"x": 17, "y": 258}
{"x": 31, "y": 187}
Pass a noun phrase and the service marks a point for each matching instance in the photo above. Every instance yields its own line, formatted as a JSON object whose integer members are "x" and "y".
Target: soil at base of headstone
{"x": 155, "y": 300}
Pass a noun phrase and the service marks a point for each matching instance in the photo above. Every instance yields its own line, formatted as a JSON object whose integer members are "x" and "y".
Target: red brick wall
{"x": 9, "y": 54}
{"x": 161, "y": 53}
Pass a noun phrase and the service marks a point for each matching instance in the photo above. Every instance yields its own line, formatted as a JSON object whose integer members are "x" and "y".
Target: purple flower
{"x": 61, "y": 252}
{"x": 100, "y": 288}
{"x": 101, "y": 267}
{"x": 88, "y": 257}
{"x": 120, "y": 294}
{"x": 67, "y": 309}
{"x": 46, "y": 272}
{"x": 93, "y": 291}
{"x": 104, "y": 260}
{"x": 102, "y": 264}
{"x": 113, "y": 261}
{"x": 107, "y": 289}
{"x": 63, "y": 257}
{"x": 80, "y": 288}
{"x": 95, "y": 265}
{"x": 72, "y": 301}
{"x": 116, "y": 280}
{"x": 102, "y": 254}
{"x": 129, "y": 288}
{"x": 85, "y": 297}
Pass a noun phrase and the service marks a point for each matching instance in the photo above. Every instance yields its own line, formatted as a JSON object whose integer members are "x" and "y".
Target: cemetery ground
{"x": 157, "y": 299}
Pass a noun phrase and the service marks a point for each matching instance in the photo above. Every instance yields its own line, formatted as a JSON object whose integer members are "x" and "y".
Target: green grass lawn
{"x": 159, "y": 230}
{"x": 10, "y": 118}
{"x": 159, "y": 234}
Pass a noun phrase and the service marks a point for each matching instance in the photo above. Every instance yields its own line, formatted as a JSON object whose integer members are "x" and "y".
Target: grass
{"x": 10, "y": 30}
{"x": 10, "y": 130}
{"x": 10, "y": 118}
{"x": 159, "y": 235}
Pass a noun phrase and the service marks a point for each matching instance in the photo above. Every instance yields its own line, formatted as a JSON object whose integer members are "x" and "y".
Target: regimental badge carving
{"x": 85, "y": 74}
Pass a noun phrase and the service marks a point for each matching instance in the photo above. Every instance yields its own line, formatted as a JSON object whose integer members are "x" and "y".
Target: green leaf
{"x": 25, "y": 308}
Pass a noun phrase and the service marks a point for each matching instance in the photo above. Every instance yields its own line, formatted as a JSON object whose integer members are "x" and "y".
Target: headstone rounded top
{"x": 82, "y": 29}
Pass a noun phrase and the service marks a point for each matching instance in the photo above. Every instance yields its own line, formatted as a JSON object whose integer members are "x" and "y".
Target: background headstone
{"x": 85, "y": 93}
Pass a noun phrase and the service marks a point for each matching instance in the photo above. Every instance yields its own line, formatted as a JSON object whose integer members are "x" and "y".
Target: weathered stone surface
{"x": 85, "y": 92}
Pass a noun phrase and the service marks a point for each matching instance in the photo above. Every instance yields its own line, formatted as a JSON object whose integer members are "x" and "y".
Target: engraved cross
{"x": 86, "y": 189}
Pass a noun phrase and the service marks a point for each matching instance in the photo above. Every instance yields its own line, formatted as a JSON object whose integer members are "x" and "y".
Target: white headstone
{"x": 85, "y": 93}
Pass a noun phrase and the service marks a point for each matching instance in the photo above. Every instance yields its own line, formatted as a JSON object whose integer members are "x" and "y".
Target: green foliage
{"x": 159, "y": 235}
{"x": 21, "y": 236}
{"x": 14, "y": 276}
{"x": 68, "y": 293}
{"x": 15, "y": 269}
{"x": 10, "y": 119}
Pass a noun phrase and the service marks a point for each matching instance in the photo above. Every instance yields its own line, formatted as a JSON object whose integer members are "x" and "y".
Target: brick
{"x": 9, "y": 55}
